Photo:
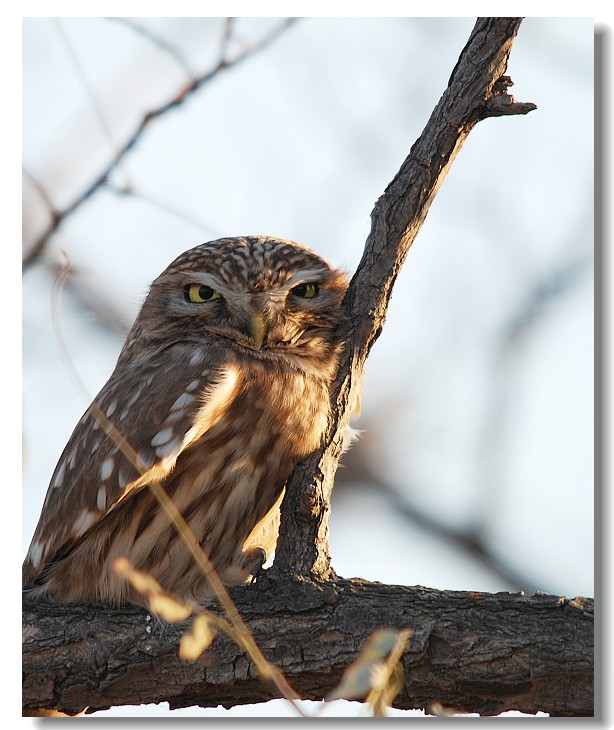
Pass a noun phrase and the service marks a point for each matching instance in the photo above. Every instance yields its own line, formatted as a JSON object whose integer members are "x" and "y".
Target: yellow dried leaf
{"x": 122, "y": 567}
{"x": 389, "y": 687}
{"x": 355, "y": 683}
{"x": 381, "y": 643}
{"x": 168, "y": 608}
{"x": 369, "y": 672}
{"x": 140, "y": 581}
{"x": 194, "y": 643}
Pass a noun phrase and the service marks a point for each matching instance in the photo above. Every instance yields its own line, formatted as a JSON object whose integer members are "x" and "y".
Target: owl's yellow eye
{"x": 306, "y": 291}
{"x": 198, "y": 293}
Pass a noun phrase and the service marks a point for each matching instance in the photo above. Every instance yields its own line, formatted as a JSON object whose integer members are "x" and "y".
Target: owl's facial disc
{"x": 268, "y": 307}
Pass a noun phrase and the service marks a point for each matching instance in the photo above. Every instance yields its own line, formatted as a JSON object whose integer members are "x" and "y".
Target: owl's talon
{"x": 253, "y": 560}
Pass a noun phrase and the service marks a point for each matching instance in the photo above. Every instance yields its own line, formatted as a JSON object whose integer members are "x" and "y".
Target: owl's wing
{"x": 159, "y": 409}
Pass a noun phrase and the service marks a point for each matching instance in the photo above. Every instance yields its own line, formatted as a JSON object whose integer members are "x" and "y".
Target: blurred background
{"x": 143, "y": 137}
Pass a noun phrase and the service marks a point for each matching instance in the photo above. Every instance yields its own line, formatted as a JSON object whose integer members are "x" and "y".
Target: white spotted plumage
{"x": 217, "y": 414}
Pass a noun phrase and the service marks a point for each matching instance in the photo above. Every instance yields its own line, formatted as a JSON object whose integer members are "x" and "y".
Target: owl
{"x": 222, "y": 386}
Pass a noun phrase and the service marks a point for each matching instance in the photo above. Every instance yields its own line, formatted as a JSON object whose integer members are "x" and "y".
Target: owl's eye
{"x": 198, "y": 293}
{"x": 306, "y": 291}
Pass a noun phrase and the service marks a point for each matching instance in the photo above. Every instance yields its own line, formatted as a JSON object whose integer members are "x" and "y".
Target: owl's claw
{"x": 253, "y": 560}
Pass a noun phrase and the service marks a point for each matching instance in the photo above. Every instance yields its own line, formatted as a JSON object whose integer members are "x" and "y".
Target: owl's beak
{"x": 257, "y": 328}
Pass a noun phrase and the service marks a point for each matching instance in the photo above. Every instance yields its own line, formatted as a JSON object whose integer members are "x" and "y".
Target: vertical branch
{"x": 477, "y": 89}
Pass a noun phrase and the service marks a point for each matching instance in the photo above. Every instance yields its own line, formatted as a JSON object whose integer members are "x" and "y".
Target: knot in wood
{"x": 502, "y": 84}
{"x": 310, "y": 504}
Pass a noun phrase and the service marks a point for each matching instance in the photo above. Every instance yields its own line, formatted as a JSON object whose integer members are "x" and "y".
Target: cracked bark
{"x": 475, "y": 652}
{"x": 471, "y": 651}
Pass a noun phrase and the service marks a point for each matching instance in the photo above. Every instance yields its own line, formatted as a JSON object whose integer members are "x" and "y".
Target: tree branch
{"x": 474, "y": 652}
{"x": 477, "y": 89}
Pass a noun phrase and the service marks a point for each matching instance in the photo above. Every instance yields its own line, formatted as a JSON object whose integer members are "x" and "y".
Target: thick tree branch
{"x": 477, "y": 89}
{"x": 474, "y": 652}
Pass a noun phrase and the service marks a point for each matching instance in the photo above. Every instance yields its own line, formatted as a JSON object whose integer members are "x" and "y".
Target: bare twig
{"x": 558, "y": 282}
{"x": 41, "y": 190}
{"x": 502, "y": 398}
{"x": 134, "y": 138}
{"x": 96, "y": 104}
{"x": 156, "y": 41}
{"x": 173, "y": 209}
{"x": 470, "y": 541}
{"x": 225, "y": 40}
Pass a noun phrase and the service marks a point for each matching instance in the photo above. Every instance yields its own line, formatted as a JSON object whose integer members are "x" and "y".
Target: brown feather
{"x": 219, "y": 418}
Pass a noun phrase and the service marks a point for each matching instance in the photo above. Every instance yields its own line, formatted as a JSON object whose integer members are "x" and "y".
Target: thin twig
{"x": 467, "y": 540}
{"x": 87, "y": 87}
{"x": 540, "y": 296}
{"x": 225, "y": 40}
{"x": 41, "y": 190}
{"x": 156, "y": 41}
{"x": 135, "y": 137}
{"x": 203, "y": 226}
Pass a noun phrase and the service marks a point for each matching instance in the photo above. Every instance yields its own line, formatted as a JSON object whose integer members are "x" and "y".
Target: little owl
{"x": 222, "y": 386}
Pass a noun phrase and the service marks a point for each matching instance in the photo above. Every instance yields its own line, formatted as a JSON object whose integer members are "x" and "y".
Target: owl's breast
{"x": 253, "y": 426}
{"x": 230, "y": 478}
{"x": 265, "y": 416}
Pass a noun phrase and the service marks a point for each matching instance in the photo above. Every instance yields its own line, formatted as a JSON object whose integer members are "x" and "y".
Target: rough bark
{"x": 477, "y": 89}
{"x": 475, "y": 652}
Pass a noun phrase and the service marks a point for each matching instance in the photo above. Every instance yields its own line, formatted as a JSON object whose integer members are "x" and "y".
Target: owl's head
{"x": 265, "y": 296}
